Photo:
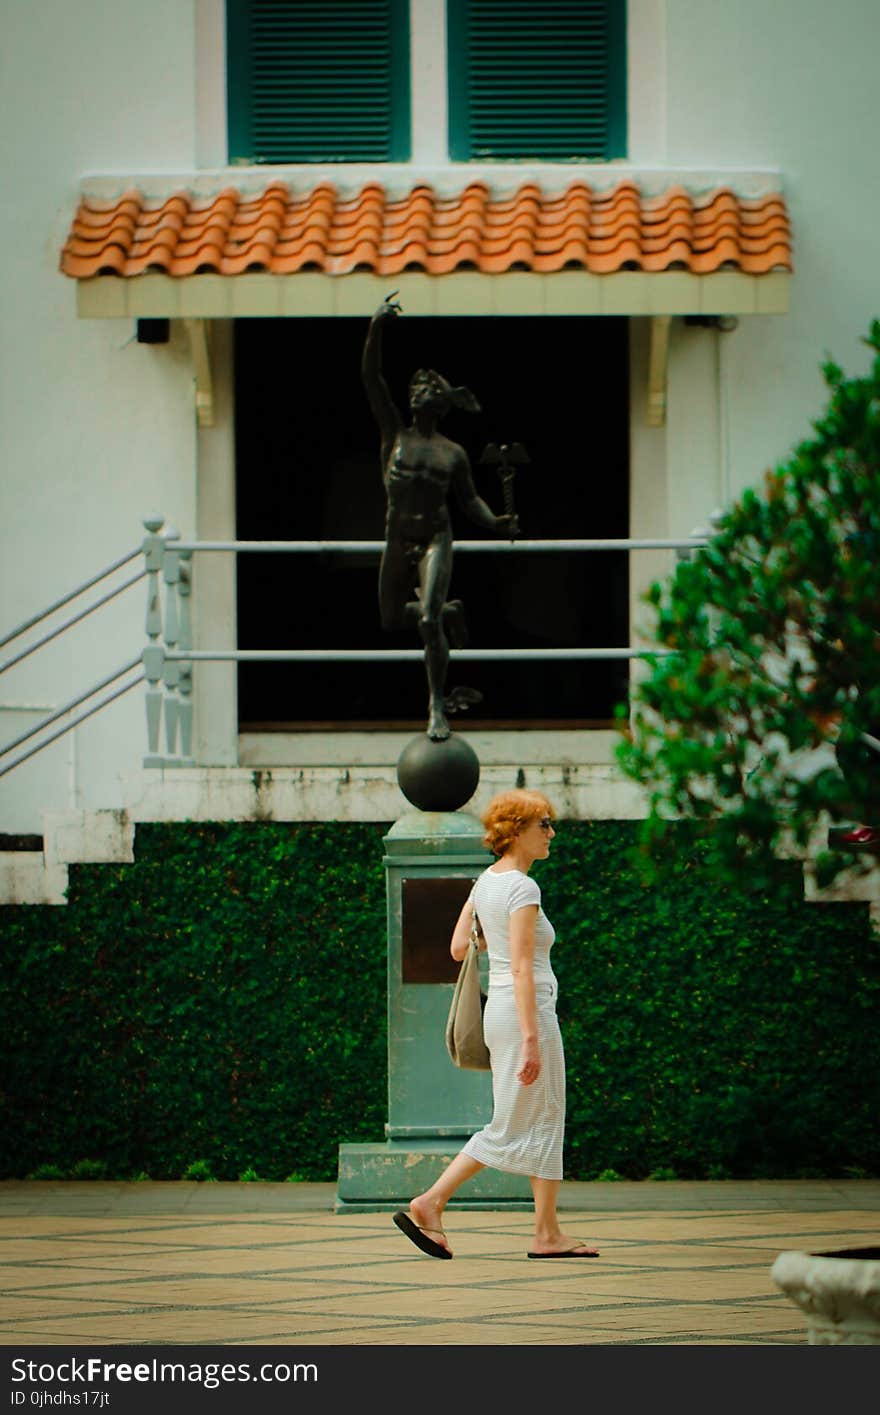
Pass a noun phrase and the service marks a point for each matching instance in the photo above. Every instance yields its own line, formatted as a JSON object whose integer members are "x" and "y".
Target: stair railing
{"x": 37, "y": 737}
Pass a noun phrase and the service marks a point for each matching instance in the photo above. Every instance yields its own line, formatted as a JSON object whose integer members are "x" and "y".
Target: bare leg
{"x": 427, "y": 1209}
{"x": 395, "y": 585}
{"x": 549, "y": 1237}
{"x": 435, "y": 569}
{"x": 436, "y": 662}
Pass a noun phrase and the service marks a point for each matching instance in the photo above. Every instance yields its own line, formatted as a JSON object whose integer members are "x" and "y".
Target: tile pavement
{"x": 90, "y": 1264}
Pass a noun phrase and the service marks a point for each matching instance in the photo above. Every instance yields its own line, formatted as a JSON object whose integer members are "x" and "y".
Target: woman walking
{"x": 526, "y": 1131}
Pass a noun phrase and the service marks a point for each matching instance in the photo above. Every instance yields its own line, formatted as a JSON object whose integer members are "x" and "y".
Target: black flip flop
{"x": 566, "y": 1253}
{"x": 420, "y": 1237}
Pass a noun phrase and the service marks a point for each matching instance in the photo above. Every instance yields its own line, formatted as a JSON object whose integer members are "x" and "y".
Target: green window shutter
{"x": 318, "y": 80}
{"x": 542, "y": 79}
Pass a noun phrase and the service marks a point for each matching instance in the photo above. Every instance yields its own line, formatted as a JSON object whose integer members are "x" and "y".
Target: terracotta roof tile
{"x": 282, "y": 232}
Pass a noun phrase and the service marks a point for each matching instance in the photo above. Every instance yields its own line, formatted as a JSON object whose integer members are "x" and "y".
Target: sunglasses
{"x": 545, "y": 823}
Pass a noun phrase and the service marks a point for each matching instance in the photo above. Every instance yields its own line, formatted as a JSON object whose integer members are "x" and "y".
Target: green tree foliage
{"x": 774, "y": 683}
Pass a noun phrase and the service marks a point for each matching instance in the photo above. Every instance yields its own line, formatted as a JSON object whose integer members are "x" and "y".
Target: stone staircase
{"x": 859, "y": 886}
{"x": 69, "y": 838}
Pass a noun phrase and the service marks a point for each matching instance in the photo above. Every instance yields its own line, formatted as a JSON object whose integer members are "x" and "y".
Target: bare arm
{"x": 473, "y": 504}
{"x": 461, "y": 934}
{"x": 523, "y": 923}
{"x": 378, "y": 396}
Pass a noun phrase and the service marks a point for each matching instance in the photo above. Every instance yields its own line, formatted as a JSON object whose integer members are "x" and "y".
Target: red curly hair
{"x": 510, "y": 812}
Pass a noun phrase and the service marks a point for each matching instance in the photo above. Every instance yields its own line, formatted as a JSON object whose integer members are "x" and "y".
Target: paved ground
{"x": 273, "y": 1264}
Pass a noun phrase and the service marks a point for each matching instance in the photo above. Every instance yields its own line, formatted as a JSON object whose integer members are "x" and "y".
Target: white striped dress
{"x": 526, "y": 1131}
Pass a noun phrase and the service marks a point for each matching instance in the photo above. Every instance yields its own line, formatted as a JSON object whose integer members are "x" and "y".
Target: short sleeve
{"x": 525, "y": 891}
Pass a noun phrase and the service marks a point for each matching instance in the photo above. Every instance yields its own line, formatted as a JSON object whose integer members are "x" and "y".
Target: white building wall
{"x": 96, "y": 430}
{"x": 788, "y": 84}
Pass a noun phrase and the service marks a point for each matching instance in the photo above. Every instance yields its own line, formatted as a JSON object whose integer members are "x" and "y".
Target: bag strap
{"x": 475, "y": 922}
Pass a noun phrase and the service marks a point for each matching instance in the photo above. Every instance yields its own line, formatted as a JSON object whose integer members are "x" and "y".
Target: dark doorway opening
{"x": 307, "y": 468}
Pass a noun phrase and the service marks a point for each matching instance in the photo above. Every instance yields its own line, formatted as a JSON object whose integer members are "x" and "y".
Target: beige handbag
{"x": 464, "y": 1026}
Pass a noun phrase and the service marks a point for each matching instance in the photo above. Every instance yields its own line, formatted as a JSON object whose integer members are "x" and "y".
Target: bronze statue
{"x": 419, "y": 465}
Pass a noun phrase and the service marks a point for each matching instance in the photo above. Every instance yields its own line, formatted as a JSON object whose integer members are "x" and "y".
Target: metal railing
{"x": 37, "y": 737}
{"x": 169, "y": 655}
{"x": 166, "y": 662}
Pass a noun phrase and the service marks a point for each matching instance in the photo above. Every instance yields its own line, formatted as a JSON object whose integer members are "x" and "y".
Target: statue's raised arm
{"x": 378, "y": 396}
{"x": 420, "y": 467}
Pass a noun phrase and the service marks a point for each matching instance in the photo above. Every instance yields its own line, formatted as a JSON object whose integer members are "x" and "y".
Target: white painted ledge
{"x": 525, "y": 748}
{"x": 311, "y": 294}
{"x": 366, "y": 793}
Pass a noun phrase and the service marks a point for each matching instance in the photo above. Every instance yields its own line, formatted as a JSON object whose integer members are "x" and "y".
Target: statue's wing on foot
{"x": 460, "y": 699}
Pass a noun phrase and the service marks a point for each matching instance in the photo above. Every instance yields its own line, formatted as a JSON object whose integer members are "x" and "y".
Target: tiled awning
{"x": 599, "y": 236}
{"x": 284, "y": 233}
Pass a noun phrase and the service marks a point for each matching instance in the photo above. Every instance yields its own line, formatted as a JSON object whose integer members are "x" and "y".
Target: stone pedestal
{"x": 839, "y": 1292}
{"x": 431, "y": 860}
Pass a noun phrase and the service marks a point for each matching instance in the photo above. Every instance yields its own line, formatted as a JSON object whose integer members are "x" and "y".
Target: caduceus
{"x": 507, "y": 458}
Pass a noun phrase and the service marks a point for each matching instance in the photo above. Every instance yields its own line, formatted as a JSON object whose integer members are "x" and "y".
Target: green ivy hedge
{"x": 217, "y": 1009}
{"x": 710, "y": 1032}
{"x": 220, "y": 1002}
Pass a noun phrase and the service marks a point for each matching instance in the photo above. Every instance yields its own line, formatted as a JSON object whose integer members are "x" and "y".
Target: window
{"x": 544, "y": 81}
{"x": 308, "y": 468}
{"x": 318, "y": 80}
